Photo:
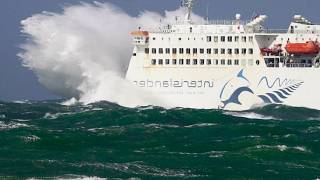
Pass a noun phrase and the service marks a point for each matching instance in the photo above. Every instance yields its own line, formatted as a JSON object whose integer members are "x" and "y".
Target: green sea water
{"x": 46, "y": 140}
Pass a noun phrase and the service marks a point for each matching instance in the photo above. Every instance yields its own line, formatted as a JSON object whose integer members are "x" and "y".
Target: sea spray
{"x": 84, "y": 51}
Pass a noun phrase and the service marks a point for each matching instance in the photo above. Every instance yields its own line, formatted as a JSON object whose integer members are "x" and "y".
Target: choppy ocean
{"x": 48, "y": 140}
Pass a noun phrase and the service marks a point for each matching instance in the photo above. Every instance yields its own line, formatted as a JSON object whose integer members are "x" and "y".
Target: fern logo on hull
{"x": 239, "y": 89}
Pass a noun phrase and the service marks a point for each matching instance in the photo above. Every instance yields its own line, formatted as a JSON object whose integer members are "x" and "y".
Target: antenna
{"x": 208, "y": 12}
{"x": 188, "y": 4}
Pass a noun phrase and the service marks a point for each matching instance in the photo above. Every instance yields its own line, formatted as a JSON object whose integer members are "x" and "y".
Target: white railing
{"x": 227, "y": 22}
{"x": 273, "y": 31}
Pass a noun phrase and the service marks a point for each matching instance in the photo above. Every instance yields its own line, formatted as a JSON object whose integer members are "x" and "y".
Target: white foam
{"x": 249, "y": 115}
{"x": 201, "y": 125}
{"x": 11, "y": 125}
{"x": 282, "y": 147}
{"x": 22, "y": 102}
{"x": 84, "y": 52}
{"x": 32, "y": 138}
{"x": 55, "y": 115}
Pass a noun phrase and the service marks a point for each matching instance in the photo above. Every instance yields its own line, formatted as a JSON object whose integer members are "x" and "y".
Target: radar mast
{"x": 188, "y": 4}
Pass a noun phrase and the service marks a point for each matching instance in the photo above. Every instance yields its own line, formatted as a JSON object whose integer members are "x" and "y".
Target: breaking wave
{"x": 84, "y": 52}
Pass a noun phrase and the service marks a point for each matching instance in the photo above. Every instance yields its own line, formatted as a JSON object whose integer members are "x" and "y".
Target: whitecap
{"x": 11, "y": 125}
{"x": 139, "y": 168}
{"x": 302, "y": 149}
{"x": 70, "y": 102}
{"x": 201, "y": 125}
{"x": 22, "y": 102}
{"x": 56, "y": 115}
{"x": 249, "y": 115}
{"x": 282, "y": 147}
{"x": 158, "y": 126}
{"x": 32, "y": 138}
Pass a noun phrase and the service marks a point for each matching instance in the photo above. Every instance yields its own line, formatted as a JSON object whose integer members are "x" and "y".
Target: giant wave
{"x": 83, "y": 52}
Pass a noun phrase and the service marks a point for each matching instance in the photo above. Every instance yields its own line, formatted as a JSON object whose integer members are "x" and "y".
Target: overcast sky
{"x": 19, "y": 83}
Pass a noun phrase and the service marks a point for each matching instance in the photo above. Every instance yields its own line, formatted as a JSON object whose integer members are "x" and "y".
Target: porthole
{"x": 258, "y": 62}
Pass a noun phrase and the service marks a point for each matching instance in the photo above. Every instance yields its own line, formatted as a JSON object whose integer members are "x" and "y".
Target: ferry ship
{"x": 230, "y": 65}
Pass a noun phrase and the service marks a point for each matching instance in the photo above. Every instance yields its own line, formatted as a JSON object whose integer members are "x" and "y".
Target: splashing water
{"x": 84, "y": 52}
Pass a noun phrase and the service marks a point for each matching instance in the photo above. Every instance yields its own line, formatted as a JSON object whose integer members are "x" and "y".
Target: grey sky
{"x": 17, "y": 82}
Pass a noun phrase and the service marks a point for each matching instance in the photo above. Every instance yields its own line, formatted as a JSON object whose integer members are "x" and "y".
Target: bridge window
{"x": 209, "y": 62}
{"x": 160, "y": 62}
{"x": 209, "y": 51}
{"x": 229, "y": 38}
{"x": 209, "y": 38}
{"x": 167, "y": 50}
{"x": 250, "y": 51}
{"x": 179, "y": 39}
{"x": 174, "y": 50}
{"x": 236, "y": 51}
{"x": 167, "y": 61}
{"x": 250, "y": 39}
{"x": 216, "y": 62}
{"x": 229, "y": 62}
{"x": 174, "y": 61}
{"x": 188, "y": 61}
{"x": 222, "y": 38}
{"x": 216, "y": 51}
{"x": 215, "y": 38}
{"x": 146, "y": 50}
{"x": 153, "y": 62}
{"x": 160, "y": 51}
{"x": 257, "y": 62}
{"x": 244, "y": 39}
{"x": 236, "y": 39}
{"x": 181, "y": 61}
{"x": 188, "y": 51}
{"x": 181, "y": 50}
{"x": 195, "y": 50}
{"x": 195, "y": 61}
{"x": 236, "y": 62}
{"x": 201, "y": 51}
{"x": 222, "y": 51}
{"x": 244, "y": 51}
{"x": 202, "y": 61}
{"x": 229, "y": 51}
{"x": 223, "y": 62}
{"x": 154, "y": 50}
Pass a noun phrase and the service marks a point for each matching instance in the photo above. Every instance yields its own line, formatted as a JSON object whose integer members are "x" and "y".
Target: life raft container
{"x": 310, "y": 47}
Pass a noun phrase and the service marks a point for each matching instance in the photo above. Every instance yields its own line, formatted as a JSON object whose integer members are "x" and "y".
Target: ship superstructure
{"x": 232, "y": 65}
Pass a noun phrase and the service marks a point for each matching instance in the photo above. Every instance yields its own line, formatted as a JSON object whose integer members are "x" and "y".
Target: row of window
{"x": 200, "y": 50}
{"x": 229, "y": 39}
{"x": 201, "y": 62}
{"x": 220, "y": 39}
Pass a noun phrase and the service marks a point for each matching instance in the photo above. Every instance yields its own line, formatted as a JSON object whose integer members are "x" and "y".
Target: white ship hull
{"x": 231, "y": 88}
{"x": 230, "y": 65}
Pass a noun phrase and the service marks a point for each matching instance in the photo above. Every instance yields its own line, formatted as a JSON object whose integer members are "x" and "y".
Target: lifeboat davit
{"x": 310, "y": 47}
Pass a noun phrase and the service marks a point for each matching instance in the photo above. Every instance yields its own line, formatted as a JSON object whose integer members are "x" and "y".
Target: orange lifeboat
{"x": 310, "y": 47}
